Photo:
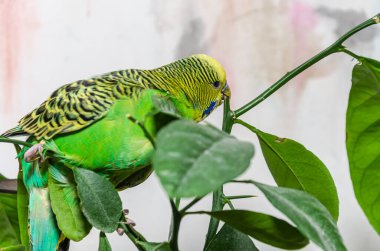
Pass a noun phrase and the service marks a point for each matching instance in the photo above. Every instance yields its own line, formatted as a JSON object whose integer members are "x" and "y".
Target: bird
{"x": 92, "y": 125}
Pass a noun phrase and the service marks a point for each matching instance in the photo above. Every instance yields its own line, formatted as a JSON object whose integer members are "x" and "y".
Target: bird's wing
{"x": 75, "y": 106}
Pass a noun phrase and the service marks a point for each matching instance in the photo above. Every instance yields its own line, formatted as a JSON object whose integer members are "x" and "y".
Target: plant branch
{"x": 217, "y": 196}
{"x": 333, "y": 48}
{"x": 174, "y": 227}
{"x": 350, "y": 53}
{"x": 14, "y": 141}
{"x": 131, "y": 233}
{"x": 192, "y": 203}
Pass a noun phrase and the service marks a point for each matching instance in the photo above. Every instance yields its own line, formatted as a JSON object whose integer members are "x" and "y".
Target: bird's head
{"x": 201, "y": 80}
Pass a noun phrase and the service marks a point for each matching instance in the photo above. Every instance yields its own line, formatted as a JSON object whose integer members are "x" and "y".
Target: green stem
{"x": 174, "y": 227}
{"x": 245, "y": 124}
{"x": 229, "y": 203}
{"x": 333, "y": 48}
{"x": 350, "y": 53}
{"x": 228, "y": 116}
{"x": 217, "y": 196}
{"x": 14, "y": 141}
{"x": 135, "y": 238}
{"x": 188, "y": 206}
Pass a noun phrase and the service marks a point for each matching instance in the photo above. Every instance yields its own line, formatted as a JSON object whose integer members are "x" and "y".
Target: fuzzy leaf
{"x": 8, "y": 236}
{"x": 293, "y": 166}
{"x": 363, "y": 133}
{"x": 307, "y": 213}
{"x": 66, "y": 204}
{"x": 230, "y": 239}
{"x": 263, "y": 227}
{"x": 9, "y": 203}
{"x": 22, "y": 204}
{"x": 101, "y": 203}
{"x": 14, "y": 248}
{"x": 193, "y": 160}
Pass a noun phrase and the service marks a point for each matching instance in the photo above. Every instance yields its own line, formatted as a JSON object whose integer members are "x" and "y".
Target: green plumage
{"x": 86, "y": 124}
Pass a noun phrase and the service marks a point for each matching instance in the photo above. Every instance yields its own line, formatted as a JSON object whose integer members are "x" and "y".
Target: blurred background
{"x": 45, "y": 44}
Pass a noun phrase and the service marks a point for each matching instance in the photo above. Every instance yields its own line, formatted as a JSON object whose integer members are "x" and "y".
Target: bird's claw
{"x": 35, "y": 152}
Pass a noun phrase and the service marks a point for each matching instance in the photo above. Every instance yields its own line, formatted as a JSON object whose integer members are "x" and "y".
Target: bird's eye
{"x": 216, "y": 84}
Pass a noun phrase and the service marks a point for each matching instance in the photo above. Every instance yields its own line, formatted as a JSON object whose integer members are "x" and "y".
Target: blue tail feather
{"x": 44, "y": 233}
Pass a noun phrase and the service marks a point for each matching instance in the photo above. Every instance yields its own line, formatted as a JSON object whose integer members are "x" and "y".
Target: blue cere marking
{"x": 209, "y": 109}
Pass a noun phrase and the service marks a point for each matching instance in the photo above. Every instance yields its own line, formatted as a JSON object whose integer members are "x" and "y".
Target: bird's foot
{"x": 35, "y": 152}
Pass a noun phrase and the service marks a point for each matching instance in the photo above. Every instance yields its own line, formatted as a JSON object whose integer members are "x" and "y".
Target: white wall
{"x": 44, "y": 44}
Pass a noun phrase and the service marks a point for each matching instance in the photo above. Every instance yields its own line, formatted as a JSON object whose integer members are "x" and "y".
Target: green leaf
{"x": 66, "y": 204}
{"x": 152, "y": 246}
{"x": 8, "y": 236}
{"x": 22, "y": 204}
{"x": 263, "y": 227}
{"x": 363, "y": 133}
{"x": 230, "y": 239}
{"x": 293, "y": 166}
{"x": 193, "y": 160}
{"x": 14, "y": 248}
{"x": 9, "y": 203}
{"x": 104, "y": 244}
{"x": 101, "y": 203}
{"x": 307, "y": 213}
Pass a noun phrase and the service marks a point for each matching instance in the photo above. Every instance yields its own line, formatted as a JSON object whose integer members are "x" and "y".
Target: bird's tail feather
{"x": 14, "y": 132}
{"x": 44, "y": 232}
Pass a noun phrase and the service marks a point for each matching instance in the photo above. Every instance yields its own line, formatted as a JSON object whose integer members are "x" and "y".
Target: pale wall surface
{"x": 44, "y": 44}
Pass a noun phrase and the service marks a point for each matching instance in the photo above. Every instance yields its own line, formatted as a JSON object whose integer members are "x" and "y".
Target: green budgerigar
{"x": 87, "y": 122}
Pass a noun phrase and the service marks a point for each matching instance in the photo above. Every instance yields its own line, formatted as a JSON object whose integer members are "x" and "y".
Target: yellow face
{"x": 213, "y": 88}
{"x": 199, "y": 79}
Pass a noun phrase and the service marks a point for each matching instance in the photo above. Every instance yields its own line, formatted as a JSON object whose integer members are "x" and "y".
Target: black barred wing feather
{"x": 75, "y": 106}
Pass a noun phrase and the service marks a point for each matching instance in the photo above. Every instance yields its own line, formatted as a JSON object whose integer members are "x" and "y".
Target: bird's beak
{"x": 226, "y": 92}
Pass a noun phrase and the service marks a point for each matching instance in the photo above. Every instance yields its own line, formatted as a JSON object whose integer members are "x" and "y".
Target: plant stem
{"x": 228, "y": 116}
{"x": 245, "y": 124}
{"x": 350, "y": 53}
{"x": 174, "y": 227}
{"x": 14, "y": 141}
{"x": 188, "y": 206}
{"x": 217, "y": 196}
{"x": 333, "y": 48}
{"x": 132, "y": 236}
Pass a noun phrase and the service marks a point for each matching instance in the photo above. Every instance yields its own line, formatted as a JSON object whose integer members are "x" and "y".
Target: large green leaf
{"x": 363, "y": 134}
{"x": 66, "y": 204}
{"x": 8, "y": 236}
{"x": 193, "y": 160}
{"x": 9, "y": 203}
{"x": 263, "y": 227}
{"x": 22, "y": 204}
{"x": 293, "y": 166}
{"x": 230, "y": 239}
{"x": 104, "y": 244}
{"x": 100, "y": 201}
{"x": 14, "y": 248}
{"x": 307, "y": 213}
